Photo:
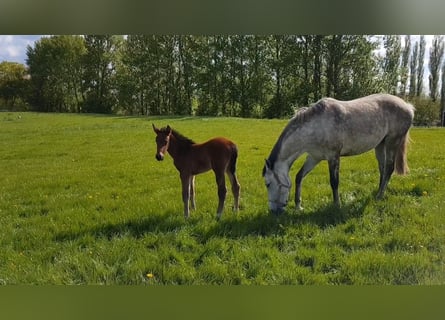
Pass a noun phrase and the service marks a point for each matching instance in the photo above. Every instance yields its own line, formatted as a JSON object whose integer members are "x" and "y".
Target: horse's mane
{"x": 181, "y": 138}
{"x": 302, "y": 115}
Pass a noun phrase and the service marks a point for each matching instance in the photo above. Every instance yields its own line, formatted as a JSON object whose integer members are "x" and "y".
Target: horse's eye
{"x": 267, "y": 185}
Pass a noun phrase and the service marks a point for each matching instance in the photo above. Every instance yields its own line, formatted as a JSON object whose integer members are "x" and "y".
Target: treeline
{"x": 229, "y": 75}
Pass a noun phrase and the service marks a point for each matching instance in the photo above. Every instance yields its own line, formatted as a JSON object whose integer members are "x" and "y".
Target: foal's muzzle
{"x": 159, "y": 156}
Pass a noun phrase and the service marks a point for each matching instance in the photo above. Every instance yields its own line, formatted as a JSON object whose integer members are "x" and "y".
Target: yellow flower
{"x": 149, "y": 275}
{"x": 424, "y": 193}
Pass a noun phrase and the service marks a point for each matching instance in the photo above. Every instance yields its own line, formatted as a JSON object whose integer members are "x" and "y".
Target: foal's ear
{"x": 156, "y": 130}
{"x": 169, "y": 129}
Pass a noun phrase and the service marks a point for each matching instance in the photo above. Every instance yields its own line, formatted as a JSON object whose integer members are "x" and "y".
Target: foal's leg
{"x": 235, "y": 189}
{"x": 222, "y": 191}
{"x": 185, "y": 180}
{"x": 192, "y": 193}
{"x": 307, "y": 167}
{"x": 334, "y": 168}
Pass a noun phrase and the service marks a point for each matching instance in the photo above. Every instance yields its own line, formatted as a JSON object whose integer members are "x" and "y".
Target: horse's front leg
{"x": 334, "y": 168}
{"x": 308, "y": 165}
{"x": 185, "y": 180}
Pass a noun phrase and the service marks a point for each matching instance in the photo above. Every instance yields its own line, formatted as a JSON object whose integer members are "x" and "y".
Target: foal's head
{"x": 162, "y": 141}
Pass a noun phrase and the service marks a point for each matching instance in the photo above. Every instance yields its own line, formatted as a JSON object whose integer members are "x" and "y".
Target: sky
{"x": 13, "y": 48}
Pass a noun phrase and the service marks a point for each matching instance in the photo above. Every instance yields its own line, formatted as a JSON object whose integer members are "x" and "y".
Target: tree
{"x": 12, "y": 82}
{"x": 413, "y": 71}
{"x": 391, "y": 62}
{"x": 442, "y": 98}
{"x": 404, "y": 67}
{"x": 56, "y": 73}
{"x": 436, "y": 57}
{"x": 335, "y": 51}
{"x": 279, "y": 105}
{"x": 359, "y": 72}
{"x": 421, "y": 58}
{"x": 99, "y": 65}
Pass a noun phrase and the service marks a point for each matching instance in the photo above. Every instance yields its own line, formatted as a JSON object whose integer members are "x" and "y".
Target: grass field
{"x": 83, "y": 201}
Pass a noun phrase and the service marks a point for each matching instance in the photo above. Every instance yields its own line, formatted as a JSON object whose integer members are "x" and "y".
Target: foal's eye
{"x": 267, "y": 185}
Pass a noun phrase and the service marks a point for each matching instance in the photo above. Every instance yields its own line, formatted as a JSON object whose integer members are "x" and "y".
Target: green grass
{"x": 83, "y": 201}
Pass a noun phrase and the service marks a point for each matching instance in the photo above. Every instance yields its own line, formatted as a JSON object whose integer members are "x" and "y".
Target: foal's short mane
{"x": 181, "y": 138}
{"x": 301, "y": 116}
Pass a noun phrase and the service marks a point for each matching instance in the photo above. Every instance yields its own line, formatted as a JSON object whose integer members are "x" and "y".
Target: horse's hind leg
{"x": 390, "y": 148}
{"x": 235, "y": 189}
{"x": 222, "y": 191}
{"x": 334, "y": 168}
{"x": 380, "y": 155}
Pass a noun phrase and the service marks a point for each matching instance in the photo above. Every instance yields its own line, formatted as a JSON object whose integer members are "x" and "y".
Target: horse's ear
{"x": 156, "y": 130}
{"x": 266, "y": 167}
{"x": 169, "y": 129}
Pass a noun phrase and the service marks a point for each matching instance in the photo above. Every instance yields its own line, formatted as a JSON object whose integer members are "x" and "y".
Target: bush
{"x": 427, "y": 111}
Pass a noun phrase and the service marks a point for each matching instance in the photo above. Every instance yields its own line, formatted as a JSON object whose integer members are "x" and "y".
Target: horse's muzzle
{"x": 277, "y": 212}
{"x": 159, "y": 156}
{"x": 276, "y": 209}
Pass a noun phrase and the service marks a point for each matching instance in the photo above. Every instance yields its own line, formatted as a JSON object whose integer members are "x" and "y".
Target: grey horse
{"x": 330, "y": 129}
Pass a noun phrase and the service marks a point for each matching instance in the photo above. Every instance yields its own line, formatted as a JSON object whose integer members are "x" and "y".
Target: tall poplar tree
{"x": 413, "y": 70}
{"x": 436, "y": 57}
{"x": 404, "y": 67}
{"x": 391, "y": 62}
{"x": 421, "y": 61}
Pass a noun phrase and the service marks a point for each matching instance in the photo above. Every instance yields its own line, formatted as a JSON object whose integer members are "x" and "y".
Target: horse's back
{"x": 218, "y": 143}
{"x": 361, "y": 124}
{"x": 388, "y": 104}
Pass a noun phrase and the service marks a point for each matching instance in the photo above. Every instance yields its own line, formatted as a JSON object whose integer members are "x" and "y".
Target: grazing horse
{"x": 330, "y": 129}
{"x": 190, "y": 158}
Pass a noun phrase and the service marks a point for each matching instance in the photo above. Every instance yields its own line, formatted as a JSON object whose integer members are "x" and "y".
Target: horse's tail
{"x": 233, "y": 157}
{"x": 401, "y": 163}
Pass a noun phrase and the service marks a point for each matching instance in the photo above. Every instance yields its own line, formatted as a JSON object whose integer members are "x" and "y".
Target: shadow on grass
{"x": 265, "y": 224}
{"x": 153, "y": 222}
{"x": 231, "y": 225}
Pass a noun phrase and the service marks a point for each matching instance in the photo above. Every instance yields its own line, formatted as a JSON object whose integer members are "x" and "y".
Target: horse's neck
{"x": 292, "y": 147}
{"x": 175, "y": 149}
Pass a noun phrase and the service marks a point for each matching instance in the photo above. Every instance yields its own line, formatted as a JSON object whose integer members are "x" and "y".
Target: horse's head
{"x": 278, "y": 186}
{"x": 162, "y": 141}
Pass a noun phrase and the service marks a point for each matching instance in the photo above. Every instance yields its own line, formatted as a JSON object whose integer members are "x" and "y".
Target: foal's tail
{"x": 401, "y": 163}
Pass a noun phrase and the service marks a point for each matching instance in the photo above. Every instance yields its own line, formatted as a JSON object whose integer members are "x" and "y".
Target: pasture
{"x": 83, "y": 201}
